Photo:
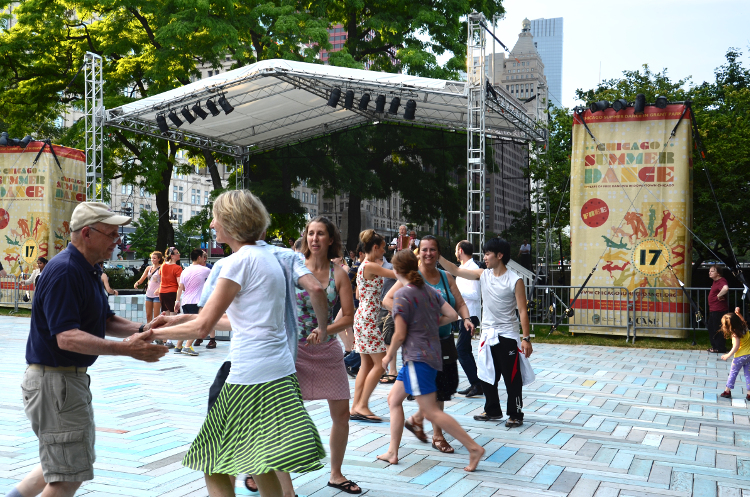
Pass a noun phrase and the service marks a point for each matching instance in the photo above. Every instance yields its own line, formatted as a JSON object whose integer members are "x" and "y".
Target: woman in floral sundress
{"x": 367, "y": 338}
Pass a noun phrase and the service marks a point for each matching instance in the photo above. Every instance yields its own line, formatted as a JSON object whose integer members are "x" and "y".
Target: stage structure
{"x": 630, "y": 215}
{"x": 94, "y": 121}
{"x": 275, "y": 103}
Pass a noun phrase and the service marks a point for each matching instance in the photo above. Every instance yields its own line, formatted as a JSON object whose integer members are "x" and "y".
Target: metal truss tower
{"x": 94, "y": 119}
{"x": 476, "y": 132}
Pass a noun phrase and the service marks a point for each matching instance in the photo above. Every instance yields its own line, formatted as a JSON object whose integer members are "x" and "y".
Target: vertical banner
{"x": 630, "y": 200}
{"x": 36, "y": 202}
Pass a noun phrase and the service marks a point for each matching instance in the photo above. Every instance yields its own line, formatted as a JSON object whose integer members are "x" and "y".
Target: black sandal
{"x": 346, "y": 486}
{"x": 388, "y": 378}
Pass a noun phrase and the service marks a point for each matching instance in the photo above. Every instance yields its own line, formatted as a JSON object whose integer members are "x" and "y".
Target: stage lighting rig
{"x": 333, "y": 100}
{"x": 199, "y": 111}
{"x": 187, "y": 115}
{"x": 161, "y": 121}
{"x": 411, "y": 107}
{"x": 619, "y": 104}
{"x": 364, "y": 101}
{"x": 597, "y": 106}
{"x": 174, "y": 118}
{"x": 380, "y": 104}
{"x": 661, "y": 102}
{"x": 212, "y": 108}
{"x": 225, "y": 104}
{"x": 395, "y": 103}
{"x": 640, "y": 103}
{"x": 349, "y": 100}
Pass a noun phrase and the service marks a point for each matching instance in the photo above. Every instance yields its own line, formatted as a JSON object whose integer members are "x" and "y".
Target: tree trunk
{"x": 165, "y": 235}
{"x": 354, "y": 224}
{"x": 212, "y": 169}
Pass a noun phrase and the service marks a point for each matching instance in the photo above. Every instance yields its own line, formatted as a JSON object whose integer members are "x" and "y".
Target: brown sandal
{"x": 442, "y": 445}
{"x": 416, "y": 428}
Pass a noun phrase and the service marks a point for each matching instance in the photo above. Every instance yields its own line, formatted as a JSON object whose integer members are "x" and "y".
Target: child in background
{"x": 735, "y": 326}
{"x": 418, "y": 311}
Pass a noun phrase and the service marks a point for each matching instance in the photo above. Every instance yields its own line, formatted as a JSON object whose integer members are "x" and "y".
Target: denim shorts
{"x": 152, "y": 299}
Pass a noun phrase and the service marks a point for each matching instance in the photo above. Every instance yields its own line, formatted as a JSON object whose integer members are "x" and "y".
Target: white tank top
{"x": 499, "y": 302}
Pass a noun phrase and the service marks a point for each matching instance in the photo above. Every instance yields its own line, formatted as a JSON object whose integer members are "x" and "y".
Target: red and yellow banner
{"x": 630, "y": 200}
{"x": 36, "y": 202}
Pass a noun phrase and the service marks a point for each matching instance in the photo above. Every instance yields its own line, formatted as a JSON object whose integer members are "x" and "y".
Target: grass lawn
{"x": 6, "y": 311}
{"x": 563, "y": 336}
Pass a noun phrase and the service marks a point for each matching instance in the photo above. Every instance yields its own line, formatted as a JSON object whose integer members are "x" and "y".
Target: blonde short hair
{"x": 242, "y": 215}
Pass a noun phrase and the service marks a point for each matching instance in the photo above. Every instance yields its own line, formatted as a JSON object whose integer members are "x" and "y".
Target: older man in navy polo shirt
{"x": 69, "y": 321}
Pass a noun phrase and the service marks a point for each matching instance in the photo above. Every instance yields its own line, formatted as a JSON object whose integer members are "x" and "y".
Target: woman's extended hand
{"x": 314, "y": 337}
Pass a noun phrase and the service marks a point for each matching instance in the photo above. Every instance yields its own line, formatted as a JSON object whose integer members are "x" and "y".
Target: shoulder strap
{"x": 448, "y": 293}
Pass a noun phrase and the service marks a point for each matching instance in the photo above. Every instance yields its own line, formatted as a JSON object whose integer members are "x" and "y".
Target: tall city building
{"x": 548, "y": 40}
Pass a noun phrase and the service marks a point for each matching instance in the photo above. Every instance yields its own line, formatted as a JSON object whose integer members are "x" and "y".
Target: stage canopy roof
{"x": 277, "y": 102}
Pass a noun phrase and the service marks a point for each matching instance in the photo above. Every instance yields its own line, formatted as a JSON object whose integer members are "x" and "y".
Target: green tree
{"x": 143, "y": 240}
{"x": 148, "y": 47}
{"x": 721, "y": 109}
{"x": 407, "y": 36}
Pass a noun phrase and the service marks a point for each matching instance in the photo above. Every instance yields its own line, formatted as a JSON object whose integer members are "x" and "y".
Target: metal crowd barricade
{"x": 9, "y": 292}
{"x": 665, "y": 308}
{"x": 596, "y": 307}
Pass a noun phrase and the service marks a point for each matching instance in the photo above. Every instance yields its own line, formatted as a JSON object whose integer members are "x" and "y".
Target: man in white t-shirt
{"x": 471, "y": 293}
{"x": 524, "y": 255}
{"x": 188, "y": 294}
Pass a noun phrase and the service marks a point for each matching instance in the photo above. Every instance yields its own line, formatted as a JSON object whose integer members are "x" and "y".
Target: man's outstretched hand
{"x": 139, "y": 346}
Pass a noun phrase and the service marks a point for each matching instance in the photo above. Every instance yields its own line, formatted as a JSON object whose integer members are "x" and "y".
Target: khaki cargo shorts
{"x": 58, "y": 404}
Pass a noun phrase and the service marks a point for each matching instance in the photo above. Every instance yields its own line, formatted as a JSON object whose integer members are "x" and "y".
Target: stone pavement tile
{"x": 641, "y": 415}
{"x": 704, "y": 487}
{"x": 565, "y": 482}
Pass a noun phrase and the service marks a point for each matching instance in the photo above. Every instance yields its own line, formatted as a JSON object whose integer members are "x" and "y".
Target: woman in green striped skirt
{"x": 259, "y": 424}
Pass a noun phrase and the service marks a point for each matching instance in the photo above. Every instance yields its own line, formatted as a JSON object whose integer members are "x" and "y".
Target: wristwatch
{"x": 528, "y": 339}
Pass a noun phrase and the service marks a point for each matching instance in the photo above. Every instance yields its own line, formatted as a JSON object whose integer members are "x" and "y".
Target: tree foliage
{"x": 147, "y": 47}
{"x": 407, "y": 36}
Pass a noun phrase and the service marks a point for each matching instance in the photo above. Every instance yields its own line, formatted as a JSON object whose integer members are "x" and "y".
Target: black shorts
{"x": 447, "y": 381}
{"x": 190, "y": 308}
{"x": 167, "y": 301}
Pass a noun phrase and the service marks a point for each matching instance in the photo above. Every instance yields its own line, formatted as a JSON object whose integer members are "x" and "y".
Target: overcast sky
{"x": 687, "y": 37}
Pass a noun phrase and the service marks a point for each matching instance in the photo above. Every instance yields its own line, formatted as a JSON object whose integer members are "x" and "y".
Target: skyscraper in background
{"x": 548, "y": 38}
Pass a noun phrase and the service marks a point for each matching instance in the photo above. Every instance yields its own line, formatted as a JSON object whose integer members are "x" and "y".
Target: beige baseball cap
{"x": 88, "y": 213}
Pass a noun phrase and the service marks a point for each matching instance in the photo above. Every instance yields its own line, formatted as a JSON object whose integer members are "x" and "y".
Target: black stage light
{"x": 364, "y": 101}
{"x": 640, "y": 103}
{"x": 380, "y": 104}
{"x": 394, "y": 105}
{"x": 26, "y": 140}
{"x": 619, "y": 104}
{"x": 187, "y": 115}
{"x": 411, "y": 106}
{"x": 333, "y": 100}
{"x": 199, "y": 111}
{"x": 349, "y": 99}
{"x": 161, "y": 121}
{"x": 174, "y": 118}
{"x": 597, "y": 106}
{"x": 225, "y": 104}
{"x": 4, "y": 139}
{"x": 212, "y": 108}
{"x": 661, "y": 102}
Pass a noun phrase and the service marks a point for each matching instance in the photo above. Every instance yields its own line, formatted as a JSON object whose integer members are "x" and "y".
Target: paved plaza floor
{"x": 599, "y": 421}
